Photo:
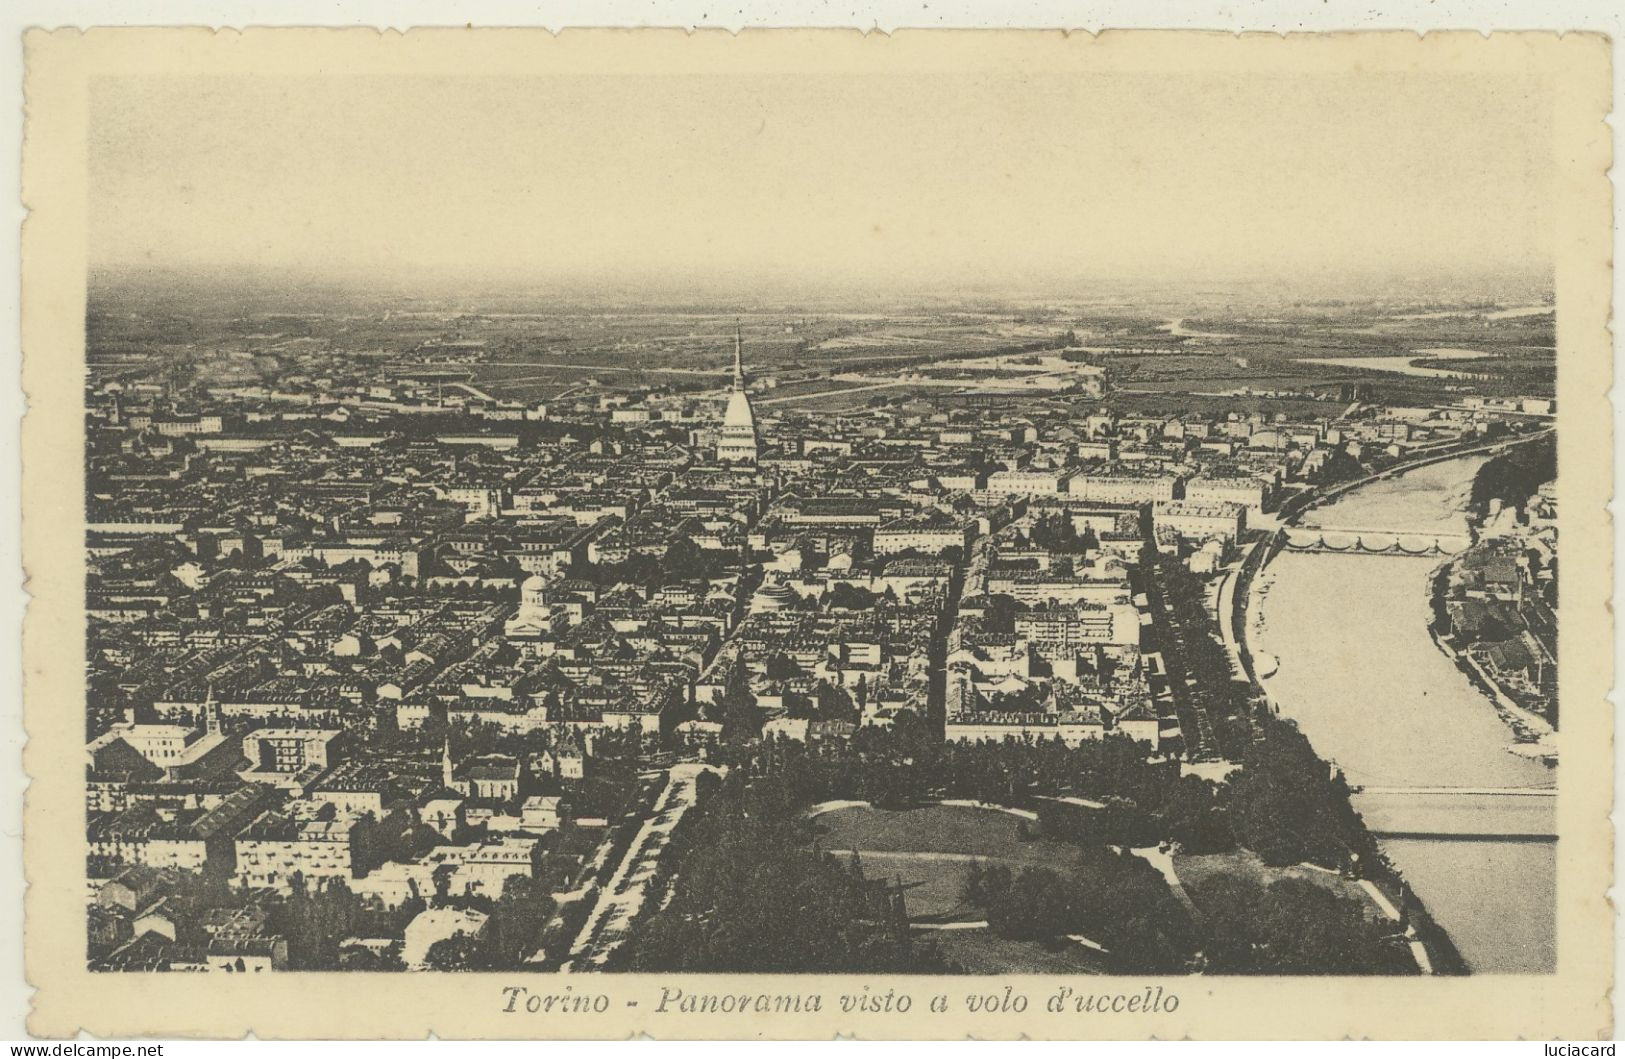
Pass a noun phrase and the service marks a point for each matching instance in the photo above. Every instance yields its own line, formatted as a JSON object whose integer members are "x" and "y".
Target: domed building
{"x": 535, "y": 615}
{"x": 737, "y": 441}
{"x": 775, "y": 595}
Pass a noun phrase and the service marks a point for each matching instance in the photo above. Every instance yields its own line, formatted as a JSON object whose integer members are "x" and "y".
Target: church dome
{"x": 775, "y": 596}
{"x": 533, "y": 596}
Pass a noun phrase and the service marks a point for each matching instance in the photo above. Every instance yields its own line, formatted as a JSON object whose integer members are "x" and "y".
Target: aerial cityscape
{"x": 1043, "y": 518}
{"x": 1152, "y": 629}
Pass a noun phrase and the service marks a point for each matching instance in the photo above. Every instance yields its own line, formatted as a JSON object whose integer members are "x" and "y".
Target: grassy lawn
{"x": 984, "y": 833}
{"x": 931, "y": 888}
{"x": 984, "y": 952}
{"x": 929, "y": 850}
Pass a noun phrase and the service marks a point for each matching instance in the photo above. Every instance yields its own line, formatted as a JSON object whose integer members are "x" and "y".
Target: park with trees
{"x": 752, "y": 870}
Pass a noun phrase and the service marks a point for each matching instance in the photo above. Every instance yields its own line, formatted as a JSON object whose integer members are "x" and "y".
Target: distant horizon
{"x": 767, "y": 184}
{"x": 1527, "y": 287}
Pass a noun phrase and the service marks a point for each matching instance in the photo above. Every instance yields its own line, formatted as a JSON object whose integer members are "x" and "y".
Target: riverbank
{"x": 1355, "y": 671}
{"x": 1507, "y": 481}
{"x": 1241, "y": 619}
{"x": 1241, "y": 622}
{"x": 1533, "y": 736}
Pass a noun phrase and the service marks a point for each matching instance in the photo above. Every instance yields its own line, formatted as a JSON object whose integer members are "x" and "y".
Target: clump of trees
{"x": 1114, "y": 899}
{"x": 914, "y": 762}
{"x": 460, "y": 952}
{"x": 735, "y": 709}
{"x": 1513, "y": 476}
{"x": 1293, "y": 926}
{"x": 846, "y": 596}
{"x": 1124, "y": 905}
{"x": 753, "y": 894}
{"x": 1192, "y": 812}
{"x": 1338, "y": 466}
{"x": 682, "y": 561}
{"x": 316, "y": 919}
{"x": 511, "y": 935}
{"x": 1196, "y": 815}
{"x": 1289, "y": 806}
{"x": 1285, "y": 803}
{"x": 1056, "y": 533}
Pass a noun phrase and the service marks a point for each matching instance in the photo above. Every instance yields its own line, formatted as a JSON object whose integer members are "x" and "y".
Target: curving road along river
{"x": 1359, "y": 673}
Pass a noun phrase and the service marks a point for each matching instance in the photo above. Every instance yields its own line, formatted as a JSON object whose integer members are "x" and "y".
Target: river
{"x": 1403, "y": 365}
{"x": 1358, "y": 672}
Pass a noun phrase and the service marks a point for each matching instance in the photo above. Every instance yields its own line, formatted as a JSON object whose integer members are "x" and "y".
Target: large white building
{"x": 1025, "y": 483}
{"x": 277, "y": 847}
{"x": 534, "y": 618}
{"x": 1250, "y": 491}
{"x": 1122, "y": 488}
{"x": 737, "y": 441}
{"x": 929, "y": 533}
{"x": 1058, "y": 630}
{"x": 1201, "y": 522}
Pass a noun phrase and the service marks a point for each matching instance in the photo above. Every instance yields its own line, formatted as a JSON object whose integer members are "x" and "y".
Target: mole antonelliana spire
{"x": 737, "y": 441}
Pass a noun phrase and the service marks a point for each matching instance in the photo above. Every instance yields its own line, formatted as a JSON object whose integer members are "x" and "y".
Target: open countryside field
{"x": 1300, "y": 350}
{"x": 1173, "y": 404}
{"x": 633, "y": 350}
{"x": 804, "y": 390}
{"x": 856, "y": 395}
{"x": 505, "y": 383}
{"x": 532, "y": 392}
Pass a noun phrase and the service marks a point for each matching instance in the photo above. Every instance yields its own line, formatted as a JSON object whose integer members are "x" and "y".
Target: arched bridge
{"x": 1358, "y": 540}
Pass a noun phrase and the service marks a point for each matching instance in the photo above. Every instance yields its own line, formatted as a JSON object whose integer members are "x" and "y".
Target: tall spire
{"x": 736, "y": 442}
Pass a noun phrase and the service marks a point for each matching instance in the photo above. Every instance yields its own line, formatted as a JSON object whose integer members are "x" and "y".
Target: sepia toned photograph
{"x": 545, "y": 517}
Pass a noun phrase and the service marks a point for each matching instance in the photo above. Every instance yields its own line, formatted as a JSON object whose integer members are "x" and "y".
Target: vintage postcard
{"x": 802, "y": 533}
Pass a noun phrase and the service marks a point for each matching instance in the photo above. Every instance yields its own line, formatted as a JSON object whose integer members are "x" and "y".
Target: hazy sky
{"x": 896, "y": 181}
